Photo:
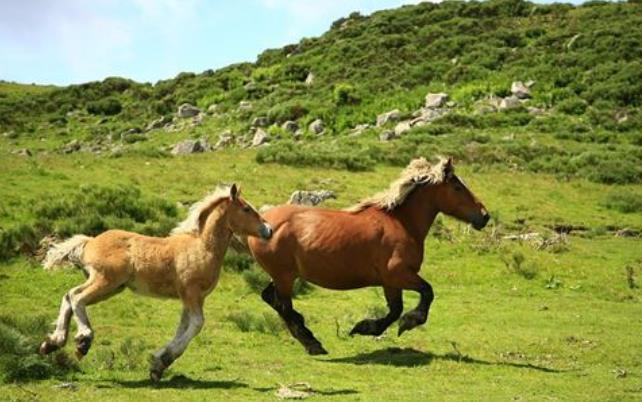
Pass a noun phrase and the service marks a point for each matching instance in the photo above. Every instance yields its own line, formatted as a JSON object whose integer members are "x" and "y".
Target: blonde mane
{"x": 418, "y": 172}
{"x": 191, "y": 224}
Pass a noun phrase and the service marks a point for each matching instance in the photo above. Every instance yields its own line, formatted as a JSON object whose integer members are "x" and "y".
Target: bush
{"x": 19, "y": 358}
{"x": 267, "y": 323}
{"x": 345, "y": 94}
{"x": 107, "y": 107}
{"x": 574, "y": 105}
{"x": 624, "y": 202}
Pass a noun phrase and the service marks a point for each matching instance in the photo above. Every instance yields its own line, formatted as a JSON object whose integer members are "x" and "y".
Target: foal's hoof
{"x": 366, "y": 327}
{"x": 82, "y": 346}
{"x": 316, "y": 349}
{"x": 46, "y": 348}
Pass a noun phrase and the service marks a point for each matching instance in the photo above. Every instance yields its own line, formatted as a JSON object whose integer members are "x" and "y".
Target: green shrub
{"x": 267, "y": 322}
{"x": 107, "y": 107}
{"x": 345, "y": 94}
{"x": 572, "y": 106}
{"x": 626, "y": 202}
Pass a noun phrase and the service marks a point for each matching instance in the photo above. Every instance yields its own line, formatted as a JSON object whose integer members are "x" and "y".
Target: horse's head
{"x": 456, "y": 200}
{"x": 243, "y": 218}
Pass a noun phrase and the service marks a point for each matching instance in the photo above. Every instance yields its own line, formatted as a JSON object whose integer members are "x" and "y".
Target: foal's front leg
{"x": 376, "y": 327}
{"x": 189, "y": 326}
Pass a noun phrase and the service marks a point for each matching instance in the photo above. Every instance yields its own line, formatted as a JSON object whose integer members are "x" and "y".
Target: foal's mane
{"x": 200, "y": 210}
{"x": 418, "y": 172}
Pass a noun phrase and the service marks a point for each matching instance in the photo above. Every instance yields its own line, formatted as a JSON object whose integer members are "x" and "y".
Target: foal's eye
{"x": 458, "y": 187}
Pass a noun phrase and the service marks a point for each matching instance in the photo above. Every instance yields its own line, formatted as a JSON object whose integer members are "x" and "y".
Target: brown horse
{"x": 379, "y": 242}
{"x": 185, "y": 265}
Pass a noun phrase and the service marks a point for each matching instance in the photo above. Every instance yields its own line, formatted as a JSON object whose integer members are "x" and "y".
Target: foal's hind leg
{"x": 281, "y": 301}
{"x": 378, "y": 326}
{"x": 58, "y": 338}
{"x": 96, "y": 289}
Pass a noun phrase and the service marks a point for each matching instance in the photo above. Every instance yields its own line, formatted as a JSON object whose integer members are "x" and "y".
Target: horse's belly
{"x": 338, "y": 271}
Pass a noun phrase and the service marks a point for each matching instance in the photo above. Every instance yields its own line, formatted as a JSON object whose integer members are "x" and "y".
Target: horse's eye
{"x": 246, "y": 209}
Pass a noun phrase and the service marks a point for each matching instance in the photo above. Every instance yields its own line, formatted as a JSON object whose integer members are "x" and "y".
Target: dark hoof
{"x": 155, "y": 375}
{"x": 46, "y": 348}
{"x": 82, "y": 346}
{"x": 409, "y": 321}
{"x": 367, "y": 327}
{"x": 316, "y": 349}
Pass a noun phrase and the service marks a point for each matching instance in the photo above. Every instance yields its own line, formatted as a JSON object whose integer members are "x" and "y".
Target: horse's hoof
{"x": 409, "y": 321}
{"x": 316, "y": 349}
{"x": 155, "y": 375}
{"x": 366, "y": 327}
{"x": 46, "y": 348}
{"x": 82, "y": 346}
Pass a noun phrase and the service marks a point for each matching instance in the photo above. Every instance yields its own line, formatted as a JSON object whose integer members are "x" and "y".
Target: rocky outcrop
{"x": 436, "y": 100}
{"x": 290, "y": 126}
{"x": 260, "y": 121}
{"x": 191, "y": 147}
{"x": 158, "y": 123}
{"x": 317, "y": 127}
{"x": 510, "y": 102}
{"x": 520, "y": 90}
{"x": 260, "y": 137}
{"x": 391, "y": 116}
{"x": 311, "y": 198}
{"x": 387, "y": 135}
{"x": 186, "y": 110}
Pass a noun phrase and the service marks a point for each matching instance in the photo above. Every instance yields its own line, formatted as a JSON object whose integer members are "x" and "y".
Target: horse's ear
{"x": 449, "y": 168}
{"x": 234, "y": 192}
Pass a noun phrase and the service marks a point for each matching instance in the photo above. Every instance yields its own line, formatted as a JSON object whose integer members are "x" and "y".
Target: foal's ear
{"x": 449, "y": 168}
{"x": 234, "y": 192}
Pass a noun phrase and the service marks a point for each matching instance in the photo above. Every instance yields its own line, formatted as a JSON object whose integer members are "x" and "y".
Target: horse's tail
{"x": 70, "y": 250}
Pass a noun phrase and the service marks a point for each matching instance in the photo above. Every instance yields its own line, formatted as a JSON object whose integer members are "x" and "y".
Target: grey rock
{"x": 510, "y": 102}
{"x": 359, "y": 129}
{"x": 309, "y": 80}
{"x": 158, "y": 123}
{"x": 520, "y": 90}
{"x": 402, "y": 127}
{"x": 260, "y": 121}
{"x": 224, "y": 140}
{"x": 130, "y": 132}
{"x": 212, "y": 109}
{"x": 22, "y": 152}
{"x": 260, "y": 137}
{"x": 70, "y": 147}
{"x": 536, "y": 111}
{"x": 387, "y": 135}
{"x": 317, "y": 127}
{"x": 393, "y": 115}
{"x": 187, "y": 110}
{"x": 312, "y": 198}
{"x": 436, "y": 100}
{"x": 290, "y": 126}
{"x": 191, "y": 146}
{"x": 245, "y": 105}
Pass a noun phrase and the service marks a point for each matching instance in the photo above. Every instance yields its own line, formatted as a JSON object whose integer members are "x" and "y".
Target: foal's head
{"x": 455, "y": 199}
{"x": 243, "y": 218}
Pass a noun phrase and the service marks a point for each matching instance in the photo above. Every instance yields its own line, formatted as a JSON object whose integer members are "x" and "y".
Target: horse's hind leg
{"x": 96, "y": 289}
{"x": 281, "y": 301}
{"x": 376, "y": 327}
{"x": 58, "y": 338}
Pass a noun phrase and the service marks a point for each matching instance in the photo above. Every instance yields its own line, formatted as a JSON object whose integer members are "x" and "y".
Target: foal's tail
{"x": 69, "y": 250}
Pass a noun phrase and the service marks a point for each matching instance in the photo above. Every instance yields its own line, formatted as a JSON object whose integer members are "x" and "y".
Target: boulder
{"x": 436, "y": 100}
{"x": 510, "y": 102}
{"x": 311, "y": 198}
{"x": 359, "y": 129}
{"x": 426, "y": 115}
{"x": 70, "y": 147}
{"x": 212, "y": 109}
{"x": 224, "y": 140}
{"x": 245, "y": 105}
{"x": 309, "y": 80}
{"x": 393, "y": 115}
{"x": 260, "y": 121}
{"x": 158, "y": 123}
{"x": 520, "y": 90}
{"x": 402, "y": 127}
{"x": 387, "y": 135}
{"x": 536, "y": 111}
{"x": 290, "y": 126}
{"x": 130, "y": 132}
{"x": 187, "y": 110}
{"x": 191, "y": 147}
{"x": 260, "y": 137}
{"x": 22, "y": 152}
{"x": 317, "y": 127}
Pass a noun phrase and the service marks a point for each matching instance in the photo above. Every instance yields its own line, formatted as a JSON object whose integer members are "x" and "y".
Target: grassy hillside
{"x": 542, "y": 304}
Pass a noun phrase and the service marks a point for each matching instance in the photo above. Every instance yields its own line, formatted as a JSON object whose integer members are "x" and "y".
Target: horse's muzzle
{"x": 265, "y": 231}
{"x": 481, "y": 220}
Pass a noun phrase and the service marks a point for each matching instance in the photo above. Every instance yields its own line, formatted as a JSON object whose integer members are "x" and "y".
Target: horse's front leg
{"x": 419, "y": 315}
{"x": 376, "y": 327}
{"x": 189, "y": 326}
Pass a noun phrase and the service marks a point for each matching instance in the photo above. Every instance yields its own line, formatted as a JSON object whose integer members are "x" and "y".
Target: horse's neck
{"x": 216, "y": 235}
{"x": 418, "y": 212}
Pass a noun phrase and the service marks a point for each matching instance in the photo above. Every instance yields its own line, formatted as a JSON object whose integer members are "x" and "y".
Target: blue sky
{"x": 73, "y": 41}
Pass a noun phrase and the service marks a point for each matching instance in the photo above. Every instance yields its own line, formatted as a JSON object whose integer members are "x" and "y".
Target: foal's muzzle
{"x": 265, "y": 231}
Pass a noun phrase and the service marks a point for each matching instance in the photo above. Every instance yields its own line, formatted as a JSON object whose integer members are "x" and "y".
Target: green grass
{"x": 571, "y": 332}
